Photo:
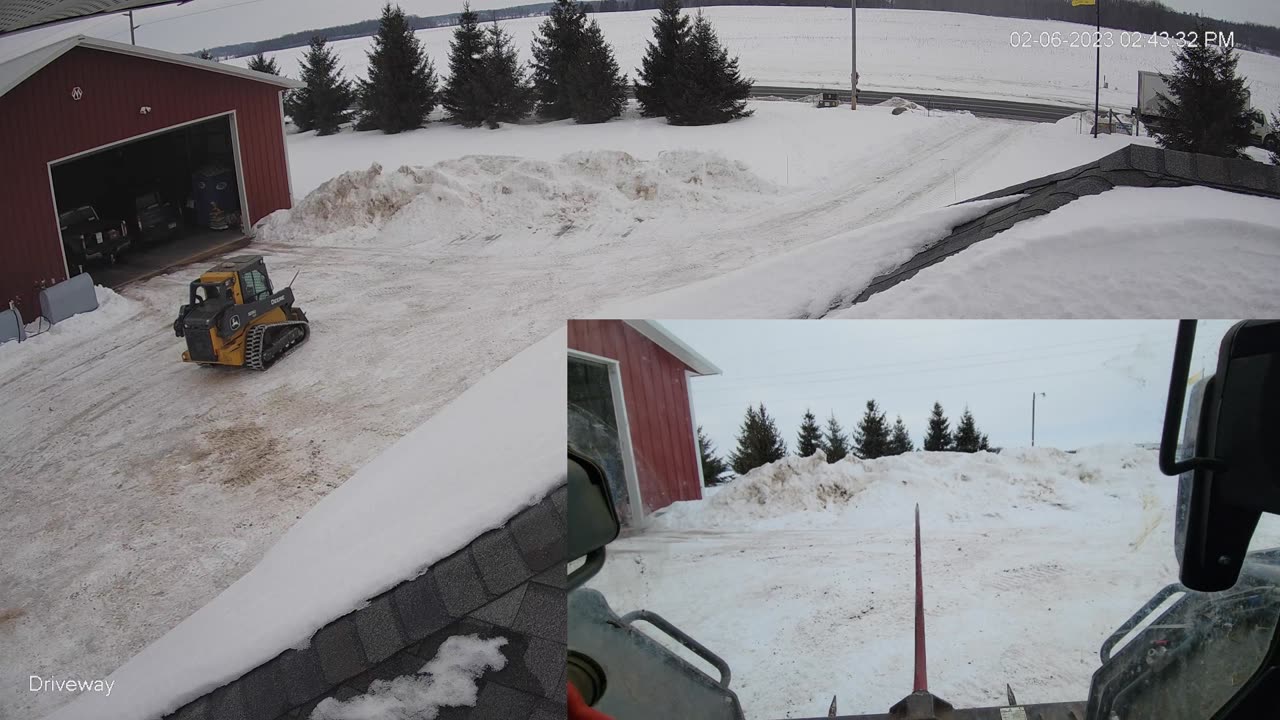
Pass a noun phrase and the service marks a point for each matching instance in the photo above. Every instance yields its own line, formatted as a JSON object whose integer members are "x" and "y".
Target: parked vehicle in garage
{"x": 158, "y": 219}
{"x": 87, "y": 237}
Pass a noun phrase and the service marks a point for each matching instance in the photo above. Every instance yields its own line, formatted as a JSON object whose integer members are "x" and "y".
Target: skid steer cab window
{"x": 204, "y": 293}
{"x": 255, "y": 286}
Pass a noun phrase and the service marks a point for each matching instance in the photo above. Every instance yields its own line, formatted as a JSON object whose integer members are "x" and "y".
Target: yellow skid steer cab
{"x": 234, "y": 317}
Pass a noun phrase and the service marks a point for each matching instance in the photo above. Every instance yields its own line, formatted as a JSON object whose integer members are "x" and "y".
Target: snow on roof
{"x": 430, "y": 494}
{"x": 13, "y": 72}
{"x": 664, "y": 339}
{"x": 806, "y": 282}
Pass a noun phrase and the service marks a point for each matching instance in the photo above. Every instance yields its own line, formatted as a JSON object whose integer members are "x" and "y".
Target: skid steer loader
{"x": 1204, "y": 648}
{"x": 234, "y": 317}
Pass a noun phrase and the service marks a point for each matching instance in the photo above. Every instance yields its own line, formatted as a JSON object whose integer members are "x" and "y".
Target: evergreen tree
{"x": 810, "y": 439}
{"x": 325, "y": 102}
{"x": 511, "y": 97}
{"x": 968, "y": 439}
{"x": 707, "y": 88}
{"x": 1275, "y": 149}
{"x": 900, "y": 441}
{"x": 555, "y": 50}
{"x": 401, "y": 88}
{"x": 938, "y": 438}
{"x": 835, "y": 443}
{"x": 261, "y": 64}
{"x": 871, "y": 438}
{"x": 759, "y": 442}
{"x": 712, "y": 466}
{"x": 466, "y": 94}
{"x": 657, "y": 72}
{"x": 206, "y": 55}
{"x": 597, "y": 89}
{"x": 1207, "y": 109}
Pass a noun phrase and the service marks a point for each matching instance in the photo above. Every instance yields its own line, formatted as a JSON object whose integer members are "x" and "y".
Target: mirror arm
{"x": 595, "y": 561}
{"x": 1169, "y": 464}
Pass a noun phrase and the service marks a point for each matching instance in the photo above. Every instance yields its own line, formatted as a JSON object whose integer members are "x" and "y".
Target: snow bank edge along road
{"x": 431, "y": 493}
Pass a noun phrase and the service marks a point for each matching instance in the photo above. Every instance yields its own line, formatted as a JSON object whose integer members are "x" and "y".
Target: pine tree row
{"x": 759, "y": 441}
{"x": 687, "y": 76}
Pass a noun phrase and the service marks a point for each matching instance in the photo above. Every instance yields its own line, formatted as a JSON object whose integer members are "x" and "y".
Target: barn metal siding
{"x": 657, "y": 399}
{"x": 41, "y": 122}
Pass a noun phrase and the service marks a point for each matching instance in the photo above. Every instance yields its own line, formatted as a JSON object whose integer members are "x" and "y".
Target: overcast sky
{"x": 208, "y": 23}
{"x": 1103, "y": 381}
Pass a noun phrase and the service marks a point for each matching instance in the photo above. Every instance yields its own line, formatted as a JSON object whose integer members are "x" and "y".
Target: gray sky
{"x": 207, "y": 23}
{"x": 1104, "y": 380}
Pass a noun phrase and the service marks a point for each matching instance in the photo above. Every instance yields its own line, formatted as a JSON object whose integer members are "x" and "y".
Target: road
{"x": 982, "y": 107}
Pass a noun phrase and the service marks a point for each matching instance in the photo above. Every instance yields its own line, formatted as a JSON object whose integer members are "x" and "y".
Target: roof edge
{"x": 36, "y": 60}
{"x": 664, "y": 339}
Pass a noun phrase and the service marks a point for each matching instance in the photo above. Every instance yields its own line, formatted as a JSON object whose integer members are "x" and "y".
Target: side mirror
{"x": 1229, "y": 460}
{"x": 593, "y": 521}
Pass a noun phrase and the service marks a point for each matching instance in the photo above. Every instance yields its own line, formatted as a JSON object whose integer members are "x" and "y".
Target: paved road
{"x": 982, "y": 107}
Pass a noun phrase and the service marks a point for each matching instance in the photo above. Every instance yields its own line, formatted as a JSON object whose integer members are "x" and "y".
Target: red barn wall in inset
{"x": 655, "y": 387}
{"x": 41, "y": 122}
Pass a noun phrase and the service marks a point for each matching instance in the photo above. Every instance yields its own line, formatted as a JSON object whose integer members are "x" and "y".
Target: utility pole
{"x": 853, "y": 75}
{"x": 1097, "y": 68}
{"x": 132, "y": 27}
{"x": 1033, "y": 418}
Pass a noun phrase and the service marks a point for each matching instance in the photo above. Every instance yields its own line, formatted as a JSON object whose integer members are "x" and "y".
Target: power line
{"x": 1003, "y": 351}
{"x": 934, "y": 388}
{"x": 919, "y": 371}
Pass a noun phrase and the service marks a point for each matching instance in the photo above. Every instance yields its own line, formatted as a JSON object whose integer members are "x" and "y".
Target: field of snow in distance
{"x": 800, "y": 573}
{"x": 906, "y": 50}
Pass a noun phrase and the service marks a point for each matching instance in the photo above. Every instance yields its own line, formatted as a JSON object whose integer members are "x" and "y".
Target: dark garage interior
{"x": 175, "y": 193}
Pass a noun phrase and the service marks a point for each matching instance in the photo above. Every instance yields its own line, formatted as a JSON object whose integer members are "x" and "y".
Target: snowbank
{"x": 485, "y": 195}
{"x": 1015, "y": 486}
{"x": 431, "y": 493}
{"x": 1128, "y": 252}
{"x": 808, "y": 281}
{"x": 112, "y": 309}
{"x": 449, "y": 680}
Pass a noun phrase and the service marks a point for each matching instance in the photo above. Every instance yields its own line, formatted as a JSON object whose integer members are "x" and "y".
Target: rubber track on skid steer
{"x": 253, "y": 349}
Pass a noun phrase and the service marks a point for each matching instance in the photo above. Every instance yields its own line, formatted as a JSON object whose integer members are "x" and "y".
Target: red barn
{"x": 92, "y": 123}
{"x": 634, "y": 376}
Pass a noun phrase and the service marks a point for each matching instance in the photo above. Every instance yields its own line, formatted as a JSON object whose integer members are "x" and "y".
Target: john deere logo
{"x": 76, "y": 93}
{"x": 235, "y": 322}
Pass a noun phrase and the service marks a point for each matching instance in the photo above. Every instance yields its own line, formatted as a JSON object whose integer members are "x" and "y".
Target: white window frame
{"x": 624, "y": 429}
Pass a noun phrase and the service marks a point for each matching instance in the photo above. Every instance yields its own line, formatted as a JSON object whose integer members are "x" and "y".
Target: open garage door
{"x": 135, "y": 208}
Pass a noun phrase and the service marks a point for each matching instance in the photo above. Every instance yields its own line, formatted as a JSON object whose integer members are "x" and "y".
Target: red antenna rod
{"x": 922, "y": 674}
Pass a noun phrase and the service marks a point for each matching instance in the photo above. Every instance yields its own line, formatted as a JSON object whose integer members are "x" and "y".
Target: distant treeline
{"x": 1147, "y": 16}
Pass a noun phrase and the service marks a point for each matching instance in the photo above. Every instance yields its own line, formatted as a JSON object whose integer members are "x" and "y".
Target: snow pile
{"x": 449, "y": 680}
{"x": 901, "y": 105}
{"x": 112, "y": 309}
{"x": 487, "y": 196}
{"x": 1012, "y": 487}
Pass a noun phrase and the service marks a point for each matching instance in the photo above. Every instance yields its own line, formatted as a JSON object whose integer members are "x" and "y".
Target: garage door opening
{"x": 137, "y": 208}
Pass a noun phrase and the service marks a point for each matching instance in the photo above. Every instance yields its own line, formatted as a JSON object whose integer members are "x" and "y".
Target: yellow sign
{"x": 1076, "y": 3}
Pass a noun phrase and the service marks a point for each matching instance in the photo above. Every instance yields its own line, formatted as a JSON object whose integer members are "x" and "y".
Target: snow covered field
{"x": 907, "y": 50}
{"x": 800, "y": 574}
